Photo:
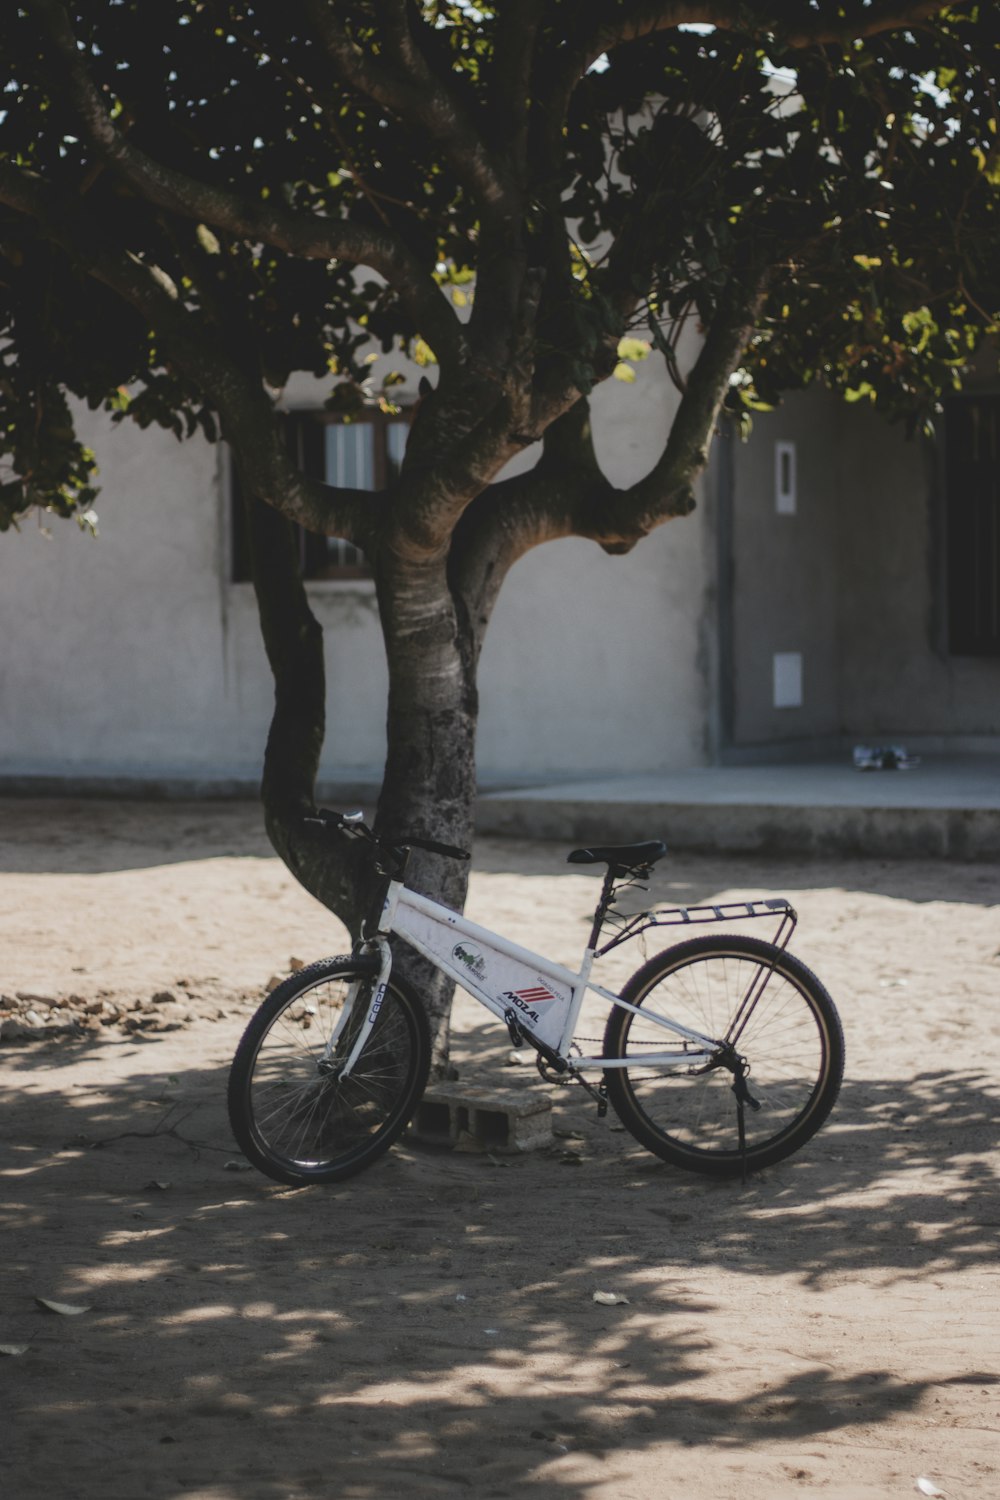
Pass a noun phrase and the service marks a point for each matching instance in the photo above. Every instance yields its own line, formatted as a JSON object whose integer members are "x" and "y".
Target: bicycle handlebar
{"x": 448, "y": 850}
{"x": 354, "y": 826}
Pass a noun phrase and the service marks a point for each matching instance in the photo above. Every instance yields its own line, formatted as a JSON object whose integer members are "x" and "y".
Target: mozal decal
{"x": 527, "y": 1001}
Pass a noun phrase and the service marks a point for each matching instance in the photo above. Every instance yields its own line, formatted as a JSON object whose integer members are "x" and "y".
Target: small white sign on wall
{"x": 788, "y": 679}
{"x": 785, "y": 501}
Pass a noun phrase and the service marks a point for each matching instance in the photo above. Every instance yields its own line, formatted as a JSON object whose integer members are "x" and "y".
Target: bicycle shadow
{"x": 431, "y": 1325}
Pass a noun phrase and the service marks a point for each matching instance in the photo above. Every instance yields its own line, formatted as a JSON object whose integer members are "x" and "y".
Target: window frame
{"x": 971, "y": 525}
{"x": 306, "y": 429}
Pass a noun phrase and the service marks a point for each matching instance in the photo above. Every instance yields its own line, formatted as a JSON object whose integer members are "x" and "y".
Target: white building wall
{"x": 595, "y": 663}
{"x": 134, "y": 656}
{"x": 113, "y": 653}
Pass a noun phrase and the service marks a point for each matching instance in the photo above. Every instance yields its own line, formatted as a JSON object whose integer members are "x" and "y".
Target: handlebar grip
{"x": 448, "y": 850}
{"x": 354, "y": 825}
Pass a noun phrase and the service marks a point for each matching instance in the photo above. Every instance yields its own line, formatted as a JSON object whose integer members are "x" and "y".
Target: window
{"x": 784, "y": 479}
{"x": 972, "y": 497}
{"x": 364, "y": 454}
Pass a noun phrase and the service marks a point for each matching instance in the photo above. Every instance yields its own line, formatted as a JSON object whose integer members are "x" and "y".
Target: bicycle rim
{"x": 295, "y": 1115}
{"x": 789, "y": 1035}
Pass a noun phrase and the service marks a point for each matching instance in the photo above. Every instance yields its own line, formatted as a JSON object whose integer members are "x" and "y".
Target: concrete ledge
{"x": 947, "y": 807}
{"x": 497, "y": 1120}
{"x": 883, "y": 832}
{"x": 182, "y": 787}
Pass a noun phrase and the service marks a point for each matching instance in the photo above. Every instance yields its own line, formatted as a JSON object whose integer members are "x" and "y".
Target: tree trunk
{"x": 334, "y": 870}
{"x": 429, "y": 787}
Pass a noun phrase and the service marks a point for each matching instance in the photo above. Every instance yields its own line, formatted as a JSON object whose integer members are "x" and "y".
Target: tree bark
{"x": 429, "y": 786}
{"x": 332, "y": 869}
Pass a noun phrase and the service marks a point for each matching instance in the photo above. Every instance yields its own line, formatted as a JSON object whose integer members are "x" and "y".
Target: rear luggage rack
{"x": 695, "y": 916}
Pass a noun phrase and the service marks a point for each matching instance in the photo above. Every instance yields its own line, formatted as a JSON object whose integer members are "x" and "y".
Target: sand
{"x": 429, "y": 1328}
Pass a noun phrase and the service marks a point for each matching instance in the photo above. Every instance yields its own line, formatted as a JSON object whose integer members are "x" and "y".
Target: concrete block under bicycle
{"x": 498, "y": 1120}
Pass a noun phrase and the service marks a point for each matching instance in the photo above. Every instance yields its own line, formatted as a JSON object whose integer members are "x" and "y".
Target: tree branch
{"x": 566, "y": 494}
{"x": 502, "y": 524}
{"x": 510, "y": 78}
{"x": 200, "y": 351}
{"x": 293, "y": 641}
{"x": 310, "y": 236}
{"x": 646, "y": 17}
{"x": 336, "y": 872}
{"x": 467, "y": 430}
{"x": 666, "y": 491}
{"x": 631, "y": 22}
{"x": 413, "y": 92}
{"x": 508, "y": 291}
{"x": 555, "y": 499}
{"x": 431, "y": 496}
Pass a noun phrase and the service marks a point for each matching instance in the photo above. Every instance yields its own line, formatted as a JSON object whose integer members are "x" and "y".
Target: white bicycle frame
{"x": 544, "y": 997}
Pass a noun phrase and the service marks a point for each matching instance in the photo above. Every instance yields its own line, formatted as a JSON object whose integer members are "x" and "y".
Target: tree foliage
{"x": 197, "y": 199}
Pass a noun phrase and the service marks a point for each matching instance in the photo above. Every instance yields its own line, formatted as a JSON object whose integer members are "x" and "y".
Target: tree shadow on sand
{"x": 91, "y": 836}
{"x": 430, "y": 1326}
{"x": 79, "y": 836}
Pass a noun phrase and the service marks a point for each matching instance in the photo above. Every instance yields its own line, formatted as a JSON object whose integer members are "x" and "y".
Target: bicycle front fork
{"x": 376, "y": 990}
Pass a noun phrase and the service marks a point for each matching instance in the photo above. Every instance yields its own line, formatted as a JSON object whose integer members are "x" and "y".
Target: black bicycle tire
{"x": 400, "y": 1008}
{"x": 760, "y": 1152}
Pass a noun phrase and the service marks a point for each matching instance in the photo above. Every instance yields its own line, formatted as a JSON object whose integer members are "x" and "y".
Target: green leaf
{"x": 207, "y": 240}
{"x": 633, "y": 349}
{"x": 423, "y": 354}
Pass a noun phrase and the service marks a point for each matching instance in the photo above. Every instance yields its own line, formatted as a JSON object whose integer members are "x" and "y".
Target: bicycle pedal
{"x": 514, "y": 1030}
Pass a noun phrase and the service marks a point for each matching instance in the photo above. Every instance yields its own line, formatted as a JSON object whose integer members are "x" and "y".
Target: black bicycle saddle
{"x": 623, "y": 859}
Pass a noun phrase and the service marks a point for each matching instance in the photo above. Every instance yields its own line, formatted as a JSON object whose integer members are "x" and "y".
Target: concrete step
{"x": 944, "y": 808}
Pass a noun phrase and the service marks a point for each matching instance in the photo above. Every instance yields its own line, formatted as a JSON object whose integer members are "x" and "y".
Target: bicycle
{"x": 722, "y": 1054}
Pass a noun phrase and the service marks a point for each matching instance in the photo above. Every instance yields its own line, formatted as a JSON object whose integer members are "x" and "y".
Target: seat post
{"x": 601, "y": 910}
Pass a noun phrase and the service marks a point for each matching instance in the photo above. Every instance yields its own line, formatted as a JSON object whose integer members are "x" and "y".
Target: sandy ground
{"x": 429, "y": 1328}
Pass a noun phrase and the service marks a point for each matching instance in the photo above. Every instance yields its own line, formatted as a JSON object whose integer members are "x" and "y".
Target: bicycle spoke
{"x": 294, "y": 1112}
{"x": 788, "y": 1048}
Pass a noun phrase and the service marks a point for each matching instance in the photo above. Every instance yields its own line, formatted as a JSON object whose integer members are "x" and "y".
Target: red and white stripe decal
{"x": 538, "y": 995}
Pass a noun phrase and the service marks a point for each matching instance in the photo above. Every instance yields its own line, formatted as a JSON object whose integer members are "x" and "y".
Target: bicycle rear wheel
{"x": 776, "y": 1014}
{"x": 293, "y": 1113}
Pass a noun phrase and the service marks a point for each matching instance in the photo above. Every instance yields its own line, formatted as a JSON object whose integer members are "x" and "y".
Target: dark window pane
{"x": 349, "y": 454}
{"x": 972, "y": 431}
{"x": 359, "y": 455}
{"x": 347, "y": 460}
{"x": 396, "y": 434}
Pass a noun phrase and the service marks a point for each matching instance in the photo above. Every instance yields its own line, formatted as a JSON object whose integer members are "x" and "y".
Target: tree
{"x": 197, "y": 199}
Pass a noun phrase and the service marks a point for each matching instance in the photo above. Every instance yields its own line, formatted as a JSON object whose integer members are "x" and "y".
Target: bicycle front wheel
{"x": 294, "y": 1114}
{"x": 771, "y": 1009}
